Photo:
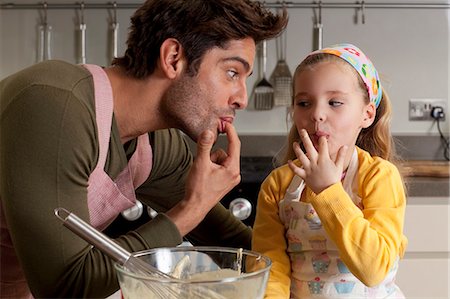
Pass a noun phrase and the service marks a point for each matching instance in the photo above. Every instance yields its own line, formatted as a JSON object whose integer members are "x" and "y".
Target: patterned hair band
{"x": 362, "y": 64}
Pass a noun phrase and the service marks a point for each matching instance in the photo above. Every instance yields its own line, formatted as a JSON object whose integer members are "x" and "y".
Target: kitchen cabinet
{"x": 424, "y": 271}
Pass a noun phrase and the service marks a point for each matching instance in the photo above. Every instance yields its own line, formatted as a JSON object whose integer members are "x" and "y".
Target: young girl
{"x": 332, "y": 220}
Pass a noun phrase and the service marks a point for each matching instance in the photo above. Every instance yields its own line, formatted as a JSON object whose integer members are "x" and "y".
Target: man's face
{"x": 209, "y": 99}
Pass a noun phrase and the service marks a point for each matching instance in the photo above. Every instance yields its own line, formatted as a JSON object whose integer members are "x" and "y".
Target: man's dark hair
{"x": 198, "y": 25}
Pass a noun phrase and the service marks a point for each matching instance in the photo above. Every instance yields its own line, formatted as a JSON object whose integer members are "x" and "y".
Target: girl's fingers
{"x": 307, "y": 143}
{"x": 297, "y": 170}
{"x": 323, "y": 147}
{"x": 300, "y": 154}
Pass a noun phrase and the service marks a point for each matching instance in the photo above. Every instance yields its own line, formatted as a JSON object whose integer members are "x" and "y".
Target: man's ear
{"x": 370, "y": 111}
{"x": 171, "y": 58}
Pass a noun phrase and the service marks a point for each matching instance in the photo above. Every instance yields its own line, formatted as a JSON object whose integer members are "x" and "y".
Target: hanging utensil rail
{"x": 279, "y": 4}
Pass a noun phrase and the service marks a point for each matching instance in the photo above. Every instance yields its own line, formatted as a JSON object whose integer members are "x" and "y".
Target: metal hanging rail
{"x": 287, "y": 4}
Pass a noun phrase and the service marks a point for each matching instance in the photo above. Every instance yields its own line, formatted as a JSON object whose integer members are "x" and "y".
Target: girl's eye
{"x": 335, "y": 103}
{"x": 302, "y": 103}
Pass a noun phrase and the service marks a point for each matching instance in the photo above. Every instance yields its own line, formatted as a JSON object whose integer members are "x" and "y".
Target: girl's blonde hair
{"x": 376, "y": 139}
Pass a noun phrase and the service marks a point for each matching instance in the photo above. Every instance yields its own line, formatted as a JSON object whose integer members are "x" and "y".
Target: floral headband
{"x": 362, "y": 64}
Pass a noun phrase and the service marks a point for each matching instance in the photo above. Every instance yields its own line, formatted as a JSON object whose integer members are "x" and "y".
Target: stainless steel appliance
{"x": 242, "y": 200}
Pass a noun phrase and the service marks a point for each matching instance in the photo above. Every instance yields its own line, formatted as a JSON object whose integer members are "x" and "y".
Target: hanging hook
{"x": 320, "y": 11}
{"x": 82, "y": 36}
{"x": 363, "y": 12}
{"x": 281, "y": 41}
{"x": 44, "y": 42}
{"x": 82, "y": 12}
{"x": 318, "y": 27}
{"x": 45, "y": 12}
{"x": 114, "y": 33}
{"x": 115, "y": 12}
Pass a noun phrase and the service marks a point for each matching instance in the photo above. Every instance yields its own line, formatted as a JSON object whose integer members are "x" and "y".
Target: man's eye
{"x": 233, "y": 74}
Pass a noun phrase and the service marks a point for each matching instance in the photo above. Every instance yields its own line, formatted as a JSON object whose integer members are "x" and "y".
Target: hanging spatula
{"x": 263, "y": 92}
{"x": 281, "y": 77}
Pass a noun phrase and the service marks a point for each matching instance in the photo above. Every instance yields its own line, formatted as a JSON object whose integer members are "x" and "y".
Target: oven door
{"x": 241, "y": 201}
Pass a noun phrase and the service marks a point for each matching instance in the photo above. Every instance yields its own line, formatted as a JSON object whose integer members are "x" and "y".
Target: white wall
{"x": 409, "y": 47}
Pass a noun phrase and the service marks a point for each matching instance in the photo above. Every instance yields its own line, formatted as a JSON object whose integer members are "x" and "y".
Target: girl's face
{"x": 329, "y": 102}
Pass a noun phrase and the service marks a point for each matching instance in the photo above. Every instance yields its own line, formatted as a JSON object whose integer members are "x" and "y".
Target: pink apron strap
{"x": 103, "y": 110}
{"x": 141, "y": 161}
{"x": 107, "y": 198}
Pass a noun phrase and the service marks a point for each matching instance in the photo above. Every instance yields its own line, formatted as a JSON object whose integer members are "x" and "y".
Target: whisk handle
{"x": 92, "y": 236}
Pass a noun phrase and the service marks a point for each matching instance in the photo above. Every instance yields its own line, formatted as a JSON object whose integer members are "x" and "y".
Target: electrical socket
{"x": 420, "y": 109}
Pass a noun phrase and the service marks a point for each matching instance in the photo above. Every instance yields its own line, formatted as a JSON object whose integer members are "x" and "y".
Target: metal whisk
{"x": 128, "y": 260}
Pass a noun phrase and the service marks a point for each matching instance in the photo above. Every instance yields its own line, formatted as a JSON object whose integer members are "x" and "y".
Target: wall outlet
{"x": 420, "y": 109}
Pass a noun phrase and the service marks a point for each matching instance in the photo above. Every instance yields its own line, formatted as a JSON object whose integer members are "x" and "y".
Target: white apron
{"x": 317, "y": 271}
{"x": 106, "y": 198}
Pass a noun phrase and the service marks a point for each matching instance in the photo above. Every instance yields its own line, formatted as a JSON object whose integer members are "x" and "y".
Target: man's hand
{"x": 211, "y": 177}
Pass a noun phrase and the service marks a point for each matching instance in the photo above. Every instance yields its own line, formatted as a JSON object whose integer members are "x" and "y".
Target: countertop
{"x": 425, "y": 178}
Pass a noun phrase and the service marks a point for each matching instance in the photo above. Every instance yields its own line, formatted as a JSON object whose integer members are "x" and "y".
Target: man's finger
{"x": 204, "y": 145}
{"x": 218, "y": 156}
{"x": 234, "y": 144}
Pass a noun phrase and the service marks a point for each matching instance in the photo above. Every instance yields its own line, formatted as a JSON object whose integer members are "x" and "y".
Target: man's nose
{"x": 240, "y": 99}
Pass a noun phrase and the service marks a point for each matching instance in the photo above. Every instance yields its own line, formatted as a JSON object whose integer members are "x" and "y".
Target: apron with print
{"x": 106, "y": 198}
{"x": 316, "y": 269}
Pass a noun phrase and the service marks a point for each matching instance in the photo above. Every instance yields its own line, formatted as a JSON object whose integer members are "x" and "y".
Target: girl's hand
{"x": 318, "y": 170}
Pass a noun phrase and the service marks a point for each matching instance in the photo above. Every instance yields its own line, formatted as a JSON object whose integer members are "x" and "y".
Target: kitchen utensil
{"x": 318, "y": 29}
{"x": 215, "y": 269}
{"x": 124, "y": 258}
{"x": 114, "y": 31}
{"x": 263, "y": 92}
{"x": 44, "y": 37}
{"x": 281, "y": 77}
{"x": 82, "y": 37}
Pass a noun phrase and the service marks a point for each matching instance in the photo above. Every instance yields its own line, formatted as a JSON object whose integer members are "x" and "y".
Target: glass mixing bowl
{"x": 203, "y": 272}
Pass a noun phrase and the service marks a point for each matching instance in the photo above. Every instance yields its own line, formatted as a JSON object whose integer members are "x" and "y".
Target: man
{"x": 94, "y": 140}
